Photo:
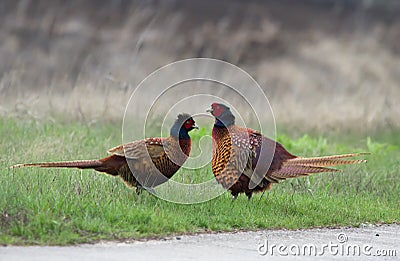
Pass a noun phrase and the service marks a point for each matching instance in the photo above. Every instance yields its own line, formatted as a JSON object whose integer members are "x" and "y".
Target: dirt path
{"x": 370, "y": 242}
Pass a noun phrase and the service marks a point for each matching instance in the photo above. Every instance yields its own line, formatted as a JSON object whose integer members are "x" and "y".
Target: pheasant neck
{"x": 224, "y": 124}
{"x": 185, "y": 145}
{"x": 218, "y": 132}
{"x": 179, "y": 132}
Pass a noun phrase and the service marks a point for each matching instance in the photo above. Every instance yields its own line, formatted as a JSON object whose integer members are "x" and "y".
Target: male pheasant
{"x": 144, "y": 163}
{"x": 245, "y": 161}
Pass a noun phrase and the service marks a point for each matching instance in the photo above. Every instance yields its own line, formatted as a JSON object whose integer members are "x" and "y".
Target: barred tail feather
{"x": 298, "y": 167}
{"x": 294, "y": 171}
{"x": 322, "y": 163}
{"x": 82, "y": 164}
{"x": 316, "y": 160}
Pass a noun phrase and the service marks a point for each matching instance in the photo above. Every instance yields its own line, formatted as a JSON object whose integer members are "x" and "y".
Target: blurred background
{"x": 325, "y": 65}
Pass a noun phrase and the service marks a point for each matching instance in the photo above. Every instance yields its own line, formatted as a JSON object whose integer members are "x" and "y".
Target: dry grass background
{"x": 324, "y": 64}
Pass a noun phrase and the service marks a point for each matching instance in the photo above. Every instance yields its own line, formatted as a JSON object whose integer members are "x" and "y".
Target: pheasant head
{"x": 223, "y": 115}
{"x": 182, "y": 125}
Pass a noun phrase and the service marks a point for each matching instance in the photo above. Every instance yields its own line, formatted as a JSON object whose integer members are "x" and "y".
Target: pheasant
{"x": 144, "y": 163}
{"x": 245, "y": 161}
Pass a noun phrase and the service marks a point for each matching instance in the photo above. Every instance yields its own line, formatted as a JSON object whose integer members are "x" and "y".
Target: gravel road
{"x": 368, "y": 242}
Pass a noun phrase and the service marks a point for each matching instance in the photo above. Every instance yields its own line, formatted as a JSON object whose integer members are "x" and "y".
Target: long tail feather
{"x": 297, "y": 171}
{"x": 326, "y": 158}
{"x": 82, "y": 164}
{"x": 298, "y": 167}
{"x": 323, "y": 163}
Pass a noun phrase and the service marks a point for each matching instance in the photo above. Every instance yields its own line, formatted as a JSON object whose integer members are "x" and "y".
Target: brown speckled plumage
{"x": 241, "y": 157}
{"x": 153, "y": 160}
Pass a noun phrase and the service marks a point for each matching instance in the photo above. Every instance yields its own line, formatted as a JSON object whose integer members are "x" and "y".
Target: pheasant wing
{"x": 243, "y": 151}
{"x": 148, "y": 148}
{"x": 148, "y": 160}
{"x": 263, "y": 156}
{"x": 254, "y": 154}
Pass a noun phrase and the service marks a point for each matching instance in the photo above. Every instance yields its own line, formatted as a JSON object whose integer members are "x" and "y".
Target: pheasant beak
{"x": 194, "y": 126}
{"x": 210, "y": 110}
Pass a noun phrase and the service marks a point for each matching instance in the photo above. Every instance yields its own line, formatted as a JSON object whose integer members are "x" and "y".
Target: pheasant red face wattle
{"x": 216, "y": 110}
{"x": 190, "y": 125}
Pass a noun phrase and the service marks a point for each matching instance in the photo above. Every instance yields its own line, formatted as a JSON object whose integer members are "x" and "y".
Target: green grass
{"x": 58, "y": 206}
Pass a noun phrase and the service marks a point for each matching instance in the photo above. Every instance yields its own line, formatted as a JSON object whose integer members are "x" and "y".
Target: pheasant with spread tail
{"x": 145, "y": 163}
{"x": 245, "y": 161}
